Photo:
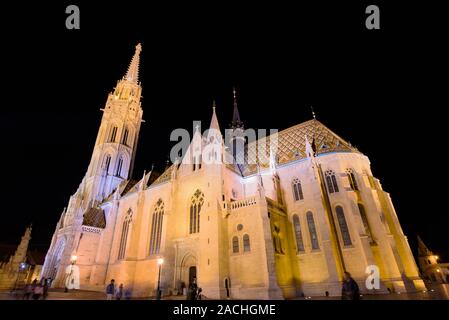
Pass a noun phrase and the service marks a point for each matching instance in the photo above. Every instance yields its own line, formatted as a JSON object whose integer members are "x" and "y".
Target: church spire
{"x": 214, "y": 121}
{"x": 313, "y": 113}
{"x": 236, "y": 123}
{"x": 422, "y": 248}
{"x": 133, "y": 70}
{"x": 22, "y": 249}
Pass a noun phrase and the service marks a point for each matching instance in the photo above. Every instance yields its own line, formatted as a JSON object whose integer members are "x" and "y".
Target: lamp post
{"x": 22, "y": 266}
{"x": 160, "y": 261}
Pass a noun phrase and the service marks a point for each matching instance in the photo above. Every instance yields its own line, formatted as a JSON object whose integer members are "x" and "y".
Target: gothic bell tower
{"x": 115, "y": 147}
{"x": 237, "y": 138}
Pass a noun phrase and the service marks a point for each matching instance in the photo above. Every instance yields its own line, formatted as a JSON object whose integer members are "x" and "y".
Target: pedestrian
{"x": 350, "y": 288}
{"x": 128, "y": 294}
{"x": 27, "y": 291}
{"x": 199, "y": 295}
{"x": 45, "y": 289}
{"x": 110, "y": 290}
{"x": 193, "y": 289}
{"x": 189, "y": 293}
{"x": 38, "y": 291}
{"x": 119, "y": 294}
{"x": 183, "y": 289}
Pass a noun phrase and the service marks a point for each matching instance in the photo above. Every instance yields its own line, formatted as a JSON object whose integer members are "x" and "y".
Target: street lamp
{"x": 160, "y": 261}
{"x": 22, "y": 266}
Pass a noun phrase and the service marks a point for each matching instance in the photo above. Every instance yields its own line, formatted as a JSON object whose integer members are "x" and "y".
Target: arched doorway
{"x": 187, "y": 270}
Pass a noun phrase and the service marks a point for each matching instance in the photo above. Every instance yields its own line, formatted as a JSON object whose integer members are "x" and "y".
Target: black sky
{"x": 383, "y": 90}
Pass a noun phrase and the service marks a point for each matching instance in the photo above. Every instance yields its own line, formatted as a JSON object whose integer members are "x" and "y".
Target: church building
{"x": 243, "y": 227}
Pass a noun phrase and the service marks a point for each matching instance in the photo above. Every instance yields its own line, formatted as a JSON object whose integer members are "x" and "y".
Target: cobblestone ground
{"x": 437, "y": 293}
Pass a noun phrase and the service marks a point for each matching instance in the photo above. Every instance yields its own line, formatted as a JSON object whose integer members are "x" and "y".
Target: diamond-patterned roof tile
{"x": 291, "y": 144}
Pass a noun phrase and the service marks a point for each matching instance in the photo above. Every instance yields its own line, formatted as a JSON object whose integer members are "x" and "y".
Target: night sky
{"x": 383, "y": 90}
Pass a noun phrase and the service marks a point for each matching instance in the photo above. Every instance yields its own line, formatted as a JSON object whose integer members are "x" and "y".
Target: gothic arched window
{"x": 343, "y": 226}
{"x": 195, "y": 208}
{"x": 156, "y": 227}
{"x": 352, "y": 180}
{"x": 107, "y": 162}
{"x": 118, "y": 173}
{"x": 246, "y": 244}
{"x": 124, "y": 236}
{"x": 312, "y": 230}
{"x": 297, "y": 190}
{"x": 113, "y": 134}
{"x": 365, "y": 221}
{"x": 125, "y": 137}
{"x": 331, "y": 181}
{"x": 385, "y": 222}
{"x": 235, "y": 245}
{"x": 298, "y": 234}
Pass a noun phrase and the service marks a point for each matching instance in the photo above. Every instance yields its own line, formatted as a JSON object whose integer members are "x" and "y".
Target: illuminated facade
{"x": 264, "y": 231}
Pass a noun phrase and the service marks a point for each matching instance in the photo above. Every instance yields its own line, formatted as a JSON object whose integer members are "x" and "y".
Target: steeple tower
{"x": 22, "y": 249}
{"x": 423, "y": 251}
{"x": 214, "y": 121}
{"x": 236, "y": 123}
{"x": 237, "y": 138}
{"x": 428, "y": 263}
{"x": 213, "y": 149}
{"x": 133, "y": 70}
{"x": 115, "y": 147}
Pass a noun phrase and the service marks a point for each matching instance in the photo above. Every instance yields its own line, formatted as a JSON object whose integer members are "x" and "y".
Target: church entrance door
{"x": 192, "y": 274}
{"x": 187, "y": 272}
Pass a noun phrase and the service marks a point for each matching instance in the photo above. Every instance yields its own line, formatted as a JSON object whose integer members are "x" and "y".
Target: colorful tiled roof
{"x": 94, "y": 217}
{"x": 291, "y": 144}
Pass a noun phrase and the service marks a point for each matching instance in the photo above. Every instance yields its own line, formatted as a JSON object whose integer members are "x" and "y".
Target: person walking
{"x": 110, "y": 290}
{"x": 199, "y": 295}
{"x": 128, "y": 294}
{"x": 193, "y": 289}
{"x": 183, "y": 289}
{"x": 45, "y": 289}
{"x": 27, "y": 291}
{"x": 189, "y": 293}
{"x": 350, "y": 288}
{"x": 38, "y": 291}
{"x": 119, "y": 294}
